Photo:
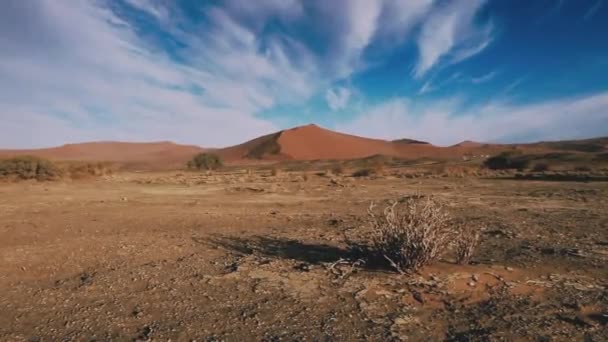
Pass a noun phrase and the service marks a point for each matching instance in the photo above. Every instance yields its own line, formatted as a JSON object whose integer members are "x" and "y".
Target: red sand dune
{"x": 312, "y": 142}
{"x": 161, "y": 154}
{"x": 309, "y": 142}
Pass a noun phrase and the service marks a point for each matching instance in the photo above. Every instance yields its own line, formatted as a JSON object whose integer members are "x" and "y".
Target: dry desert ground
{"x": 251, "y": 256}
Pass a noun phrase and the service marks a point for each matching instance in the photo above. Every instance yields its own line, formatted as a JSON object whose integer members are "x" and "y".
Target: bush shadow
{"x": 297, "y": 250}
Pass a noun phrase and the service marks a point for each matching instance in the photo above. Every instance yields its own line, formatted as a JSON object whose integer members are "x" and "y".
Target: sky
{"x": 216, "y": 73}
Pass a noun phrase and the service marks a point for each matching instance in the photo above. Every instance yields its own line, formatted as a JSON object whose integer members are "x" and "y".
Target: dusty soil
{"x": 180, "y": 256}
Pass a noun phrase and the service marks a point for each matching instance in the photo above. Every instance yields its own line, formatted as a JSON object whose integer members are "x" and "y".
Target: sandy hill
{"x": 469, "y": 144}
{"x": 309, "y": 142}
{"x": 162, "y": 154}
{"x": 409, "y": 141}
{"x": 584, "y": 145}
{"x": 312, "y": 142}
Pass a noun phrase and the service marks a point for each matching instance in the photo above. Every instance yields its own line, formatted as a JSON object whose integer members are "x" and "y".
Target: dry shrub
{"x": 467, "y": 240}
{"x": 582, "y": 168}
{"x": 275, "y": 172}
{"x": 27, "y": 167}
{"x": 460, "y": 171}
{"x": 205, "y": 161}
{"x": 416, "y": 231}
{"x": 80, "y": 170}
{"x": 540, "y": 167}
{"x": 363, "y": 172}
{"x": 378, "y": 168}
{"x": 337, "y": 170}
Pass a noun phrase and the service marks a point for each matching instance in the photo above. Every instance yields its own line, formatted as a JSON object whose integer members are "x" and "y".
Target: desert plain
{"x": 264, "y": 252}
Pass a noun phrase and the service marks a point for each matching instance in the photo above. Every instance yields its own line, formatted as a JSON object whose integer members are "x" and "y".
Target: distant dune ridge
{"x": 309, "y": 142}
{"x": 159, "y": 154}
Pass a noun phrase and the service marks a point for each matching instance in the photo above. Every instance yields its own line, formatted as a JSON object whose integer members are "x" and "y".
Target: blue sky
{"x": 216, "y": 73}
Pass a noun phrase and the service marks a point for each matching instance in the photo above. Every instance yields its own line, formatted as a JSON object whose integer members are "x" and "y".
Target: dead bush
{"x": 411, "y": 234}
{"x": 275, "y": 172}
{"x": 81, "y": 170}
{"x": 540, "y": 167}
{"x": 415, "y": 231}
{"x": 28, "y": 167}
{"x": 378, "y": 168}
{"x": 337, "y": 170}
{"x": 466, "y": 241}
{"x": 363, "y": 172}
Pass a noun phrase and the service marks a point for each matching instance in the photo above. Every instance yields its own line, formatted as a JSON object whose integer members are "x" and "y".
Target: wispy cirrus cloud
{"x": 446, "y": 122}
{"x": 207, "y": 72}
{"x": 126, "y": 89}
{"x": 351, "y": 26}
{"x": 484, "y": 78}
{"x": 337, "y": 98}
{"x": 451, "y": 33}
{"x": 152, "y": 7}
{"x": 117, "y": 71}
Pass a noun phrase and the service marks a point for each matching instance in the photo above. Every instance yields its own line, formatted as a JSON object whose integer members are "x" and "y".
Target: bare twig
{"x": 394, "y": 264}
{"x": 334, "y": 267}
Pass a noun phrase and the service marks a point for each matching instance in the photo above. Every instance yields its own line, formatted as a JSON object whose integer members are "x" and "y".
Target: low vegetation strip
{"x": 28, "y": 167}
{"x": 34, "y": 168}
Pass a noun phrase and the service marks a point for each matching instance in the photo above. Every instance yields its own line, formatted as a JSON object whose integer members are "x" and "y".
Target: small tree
{"x": 205, "y": 161}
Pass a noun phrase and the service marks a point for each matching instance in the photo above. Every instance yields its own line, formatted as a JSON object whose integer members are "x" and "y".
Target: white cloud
{"x": 443, "y": 123}
{"x": 362, "y": 22}
{"x": 399, "y": 17}
{"x": 427, "y": 87}
{"x": 83, "y": 70}
{"x": 450, "y": 31}
{"x": 260, "y": 10}
{"x": 152, "y": 7}
{"x": 353, "y": 25}
{"x": 125, "y": 89}
{"x": 337, "y": 98}
{"x": 484, "y": 78}
{"x": 431, "y": 85}
{"x": 89, "y": 71}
